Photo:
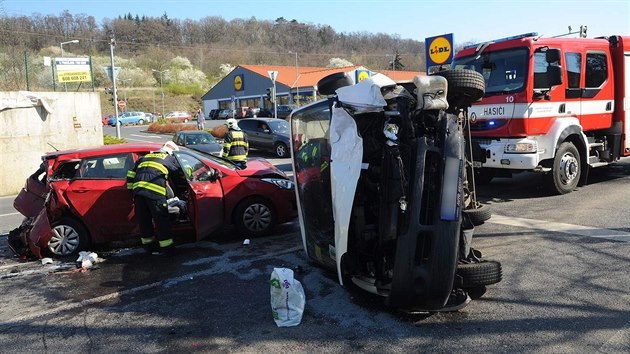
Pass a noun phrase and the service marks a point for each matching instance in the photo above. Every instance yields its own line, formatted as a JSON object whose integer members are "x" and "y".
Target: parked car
{"x": 178, "y": 117}
{"x": 213, "y": 114}
{"x": 198, "y": 140}
{"x": 268, "y": 134}
{"x": 253, "y": 112}
{"x": 105, "y": 120}
{"x": 87, "y": 201}
{"x": 127, "y": 118}
{"x": 150, "y": 117}
{"x": 240, "y": 112}
{"x": 226, "y": 113}
{"x": 285, "y": 110}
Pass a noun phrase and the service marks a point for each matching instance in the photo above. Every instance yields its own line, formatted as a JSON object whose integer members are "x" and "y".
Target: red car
{"x": 79, "y": 198}
{"x": 178, "y": 117}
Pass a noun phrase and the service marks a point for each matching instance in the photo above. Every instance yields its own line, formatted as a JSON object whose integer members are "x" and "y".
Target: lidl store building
{"x": 248, "y": 85}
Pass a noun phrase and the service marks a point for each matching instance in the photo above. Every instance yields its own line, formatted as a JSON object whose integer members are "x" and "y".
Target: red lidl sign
{"x": 439, "y": 50}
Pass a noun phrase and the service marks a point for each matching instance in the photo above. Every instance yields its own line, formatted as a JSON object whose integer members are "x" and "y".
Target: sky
{"x": 468, "y": 20}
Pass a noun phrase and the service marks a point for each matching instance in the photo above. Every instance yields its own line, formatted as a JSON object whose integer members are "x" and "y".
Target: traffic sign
{"x": 108, "y": 71}
{"x": 121, "y": 104}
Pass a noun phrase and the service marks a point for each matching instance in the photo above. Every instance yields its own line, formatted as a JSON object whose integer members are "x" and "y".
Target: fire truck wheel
{"x": 480, "y": 274}
{"x": 464, "y": 86}
{"x": 566, "y": 170}
{"x": 478, "y": 215}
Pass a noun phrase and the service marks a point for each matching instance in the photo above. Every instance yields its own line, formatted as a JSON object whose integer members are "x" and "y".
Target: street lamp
{"x": 61, "y": 46}
{"x": 297, "y": 76}
{"x": 68, "y": 42}
{"x": 161, "y": 88}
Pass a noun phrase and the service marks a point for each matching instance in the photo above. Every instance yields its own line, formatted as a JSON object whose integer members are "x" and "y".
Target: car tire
{"x": 478, "y": 215}
{"x": 566, "y": 171}
{"x": 479, "y": 274}
{"x": 185, "y": 120}
{"x": 69, "y": 238}
{"x": 141, "y": 122}
{"x": 329, "y": 84}
{"x": 281, "y": 150}
{"x": 254, "y": 217}
{"x": 464, "y": 86}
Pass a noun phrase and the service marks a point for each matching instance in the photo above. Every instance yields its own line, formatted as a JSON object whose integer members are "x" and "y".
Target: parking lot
{"x": 564, "y": 289}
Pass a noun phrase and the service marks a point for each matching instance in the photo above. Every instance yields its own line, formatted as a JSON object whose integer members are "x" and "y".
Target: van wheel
{"x": 464, "y": 86}
{"x": 478, "y": 215}
{"x": 254, "y": 217}
{"x": 480, "y": 274}
{"x": 566, "y": 171}
{"x": 69, "y": 237}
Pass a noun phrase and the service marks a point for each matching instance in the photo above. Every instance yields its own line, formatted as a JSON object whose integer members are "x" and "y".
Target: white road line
{"x": 147, "y": 136}
{"x": 580, "y": 230}
{"x": 9, "y": 214}
{"x": 144, "y": 141}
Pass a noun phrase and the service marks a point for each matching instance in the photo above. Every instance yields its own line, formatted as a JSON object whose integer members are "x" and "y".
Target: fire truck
{"x": 554, "y": 105}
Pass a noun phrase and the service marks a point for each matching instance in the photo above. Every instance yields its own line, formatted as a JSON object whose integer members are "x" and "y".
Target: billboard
{"x": 439, "y": 50}
{"x": 73, "y": 70}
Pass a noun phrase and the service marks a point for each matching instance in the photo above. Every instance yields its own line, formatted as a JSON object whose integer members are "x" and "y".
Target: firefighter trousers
{"x": 149, "y": 211}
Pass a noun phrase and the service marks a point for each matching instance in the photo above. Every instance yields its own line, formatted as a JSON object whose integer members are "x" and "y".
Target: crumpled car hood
{"x": 260, "y": 167}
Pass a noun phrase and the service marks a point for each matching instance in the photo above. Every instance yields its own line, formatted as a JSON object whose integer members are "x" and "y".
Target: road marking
{"x": 571, "y": 229}
{"x": 9, "y": 214}
{"x": 140, "y": 140}
{"x": 147, "y": 136}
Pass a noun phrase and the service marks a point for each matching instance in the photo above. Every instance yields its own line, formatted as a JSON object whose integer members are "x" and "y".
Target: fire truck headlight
{"x": 521, "y": 148}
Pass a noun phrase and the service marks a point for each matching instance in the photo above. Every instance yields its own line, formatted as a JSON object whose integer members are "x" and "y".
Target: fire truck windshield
{"x": 505, "y": 71}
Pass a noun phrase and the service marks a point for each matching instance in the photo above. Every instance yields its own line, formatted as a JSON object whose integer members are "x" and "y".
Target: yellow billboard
{"x": 73, "y": 70}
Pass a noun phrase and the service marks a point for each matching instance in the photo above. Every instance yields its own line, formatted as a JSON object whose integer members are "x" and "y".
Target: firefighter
{"x": 148, "y": 182}
{"x": 235, "y": 145}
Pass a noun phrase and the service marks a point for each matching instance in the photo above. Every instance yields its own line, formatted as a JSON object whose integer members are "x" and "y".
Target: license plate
{"x": 476, "y": 164}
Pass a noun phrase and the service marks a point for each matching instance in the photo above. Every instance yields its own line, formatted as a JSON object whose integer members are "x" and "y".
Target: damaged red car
{"x": 78, "y": 198}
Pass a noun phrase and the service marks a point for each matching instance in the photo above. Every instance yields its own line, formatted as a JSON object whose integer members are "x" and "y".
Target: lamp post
{"x": 61, "y": 46}
{"x": 297, "y": 76}
{"x": 161, "y": 88}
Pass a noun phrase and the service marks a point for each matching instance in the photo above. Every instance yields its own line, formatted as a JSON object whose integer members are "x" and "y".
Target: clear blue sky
{"x": 469, "y": 20}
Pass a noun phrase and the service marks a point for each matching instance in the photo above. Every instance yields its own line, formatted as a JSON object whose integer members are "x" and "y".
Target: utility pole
{"x": 112, "y": 44}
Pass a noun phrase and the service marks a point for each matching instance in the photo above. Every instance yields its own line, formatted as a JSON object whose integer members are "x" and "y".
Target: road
{"x": 564, "y": 289}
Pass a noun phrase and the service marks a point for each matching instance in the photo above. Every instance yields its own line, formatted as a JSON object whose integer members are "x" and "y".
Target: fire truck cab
{"x": 553, "y": 105}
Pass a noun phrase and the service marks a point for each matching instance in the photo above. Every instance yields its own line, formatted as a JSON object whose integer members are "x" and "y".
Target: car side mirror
{"x": 554, "y": 75}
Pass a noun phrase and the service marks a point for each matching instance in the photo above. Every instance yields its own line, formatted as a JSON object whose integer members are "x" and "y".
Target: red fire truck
{"x": 555, "y": 105}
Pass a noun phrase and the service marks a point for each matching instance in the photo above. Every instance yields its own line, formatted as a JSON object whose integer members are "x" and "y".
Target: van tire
{"x": 464, "y": 86}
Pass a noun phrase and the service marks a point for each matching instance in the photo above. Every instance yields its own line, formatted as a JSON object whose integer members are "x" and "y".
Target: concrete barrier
{"x": 33, "y": 123}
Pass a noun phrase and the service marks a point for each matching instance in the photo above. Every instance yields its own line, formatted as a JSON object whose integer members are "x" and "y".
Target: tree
{"x": 395, "y": 63}
{"x": 338, "y": 63}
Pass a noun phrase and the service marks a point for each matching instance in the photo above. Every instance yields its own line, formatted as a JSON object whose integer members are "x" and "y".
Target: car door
{"x": 205, "y": 207}
{"x": 99, "y": 196}
{"x": 250, "y": 127}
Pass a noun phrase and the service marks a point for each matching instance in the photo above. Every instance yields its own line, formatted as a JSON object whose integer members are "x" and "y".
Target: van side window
{"x": 596, "y": 69}
{"x": 574, "y": 69}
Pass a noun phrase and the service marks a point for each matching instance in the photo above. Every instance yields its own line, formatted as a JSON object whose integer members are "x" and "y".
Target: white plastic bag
{"x": 287, "y": 298}
{"x": 87, "y": 259}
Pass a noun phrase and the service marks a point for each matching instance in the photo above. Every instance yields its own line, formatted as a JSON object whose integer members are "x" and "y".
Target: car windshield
{"x": 200, "y": 138}
{"x": 504, "y": 71}
{"x": 280, "y": 126}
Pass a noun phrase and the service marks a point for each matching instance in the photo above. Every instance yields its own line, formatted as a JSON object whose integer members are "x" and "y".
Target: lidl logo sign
{"x": 362, "y": 75}
{"x": 439, "y": 50}
{"x": 238, "y": 83}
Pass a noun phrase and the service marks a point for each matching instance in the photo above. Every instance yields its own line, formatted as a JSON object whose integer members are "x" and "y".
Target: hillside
{"x": 196, "y": 53}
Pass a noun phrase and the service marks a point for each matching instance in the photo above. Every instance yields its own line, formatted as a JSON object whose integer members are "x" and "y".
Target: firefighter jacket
{"x": 235, "y": 146}
{"x": 148, "y": 177}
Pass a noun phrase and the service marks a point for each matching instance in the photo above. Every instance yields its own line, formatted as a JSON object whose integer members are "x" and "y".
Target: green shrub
{"x": 110, "y": 140}
{"x": 184, "y": 89}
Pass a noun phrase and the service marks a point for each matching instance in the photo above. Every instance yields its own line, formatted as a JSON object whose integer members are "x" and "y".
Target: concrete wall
{"x": 27, "y": 131}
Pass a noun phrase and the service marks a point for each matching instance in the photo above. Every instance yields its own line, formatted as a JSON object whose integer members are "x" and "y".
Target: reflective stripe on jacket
{"x": 149, "y": 175}
{"x": 235, "y": 146}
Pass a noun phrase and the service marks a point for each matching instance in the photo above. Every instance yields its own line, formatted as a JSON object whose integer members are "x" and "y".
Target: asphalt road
{"x": 564, "y": 289}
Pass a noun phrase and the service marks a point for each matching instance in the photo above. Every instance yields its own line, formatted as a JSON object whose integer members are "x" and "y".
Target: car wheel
{"x": 566, "y": 170}
{"x": 141, "y": 122}
{"x": 68, "y": 238}
{"x": 478, "y": 215}
{"x": 479, "y": 274}
{"x": 281, "y": 150}
{"x": 254, "y": 217}
{"x": 185, "y": 120}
